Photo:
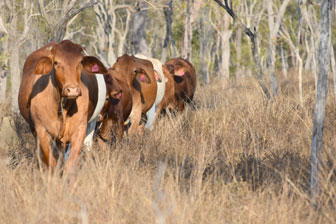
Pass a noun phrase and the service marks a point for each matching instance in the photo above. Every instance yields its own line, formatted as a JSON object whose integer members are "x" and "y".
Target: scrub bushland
{"x": 233, "y": 156}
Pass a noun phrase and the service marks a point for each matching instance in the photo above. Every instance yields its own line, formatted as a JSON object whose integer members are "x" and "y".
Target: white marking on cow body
{"x": 100, "y": 103}
{"x": 89, "y": 134}
{"x": 150, "y": 117}
{"x": 101, "y": 96}
{"x": 91, "y": 125}
{"x": 161, "y": 86}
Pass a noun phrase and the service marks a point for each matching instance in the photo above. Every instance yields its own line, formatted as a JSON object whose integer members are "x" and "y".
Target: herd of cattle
{"x": 64, "y": 93}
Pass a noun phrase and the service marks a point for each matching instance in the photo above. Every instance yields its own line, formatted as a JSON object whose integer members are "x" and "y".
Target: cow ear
{"x": 180, "y": 72}
{"x": 93, "y": 65}
{"x": 170, "y": 68}
{"x": 43, "y": 66}
{"x": 141, "y": 75}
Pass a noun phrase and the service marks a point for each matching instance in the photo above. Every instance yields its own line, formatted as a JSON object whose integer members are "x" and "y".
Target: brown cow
{"x": 116, "y": 109}
{"x": 140, "y": 77}
{"x": 185, "y": 81}
{"x": 57, "y": 98}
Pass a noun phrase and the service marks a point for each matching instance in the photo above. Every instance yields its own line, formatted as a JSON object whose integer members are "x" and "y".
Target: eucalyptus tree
{"x": 113, "y": 25}
{"x": 15, "y": 22}
{"x": 253, "y": 36}
{"x": 58, "y": 13}
{"x": 321, "y": 98}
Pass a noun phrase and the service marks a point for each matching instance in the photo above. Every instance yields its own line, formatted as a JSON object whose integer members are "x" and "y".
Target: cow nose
{"x": 71, "y": 92}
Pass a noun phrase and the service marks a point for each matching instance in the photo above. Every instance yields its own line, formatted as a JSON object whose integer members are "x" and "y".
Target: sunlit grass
{"x": 234, "y": 157}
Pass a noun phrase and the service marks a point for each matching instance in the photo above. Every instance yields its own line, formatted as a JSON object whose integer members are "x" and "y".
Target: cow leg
{"x": 180, "y": 106}
{"x": 89, "y": 134}
{"x": 118, "y": 127}
{"x": 76, "y": 143}
{"x": 150, "y": 118}
{"x": 38, "y": 151}
{"x": 135, "y": 118}
{"x": 157, "y": 114}
{"x": 121, "y": 130}
{"x": 45, "y": 144}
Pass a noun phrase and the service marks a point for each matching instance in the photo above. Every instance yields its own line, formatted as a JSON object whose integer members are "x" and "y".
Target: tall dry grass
{"x": 235, "y": 157}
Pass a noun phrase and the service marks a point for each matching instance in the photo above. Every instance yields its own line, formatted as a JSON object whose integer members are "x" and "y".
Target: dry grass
{"x": 236, "y": 157}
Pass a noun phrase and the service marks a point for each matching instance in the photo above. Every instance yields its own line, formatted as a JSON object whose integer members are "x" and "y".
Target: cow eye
{"x": 55, "y": 62}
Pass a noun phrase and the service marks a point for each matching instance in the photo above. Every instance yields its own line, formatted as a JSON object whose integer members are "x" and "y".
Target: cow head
{"x": 114, "y": 89}
{"x": 67, "y": 62}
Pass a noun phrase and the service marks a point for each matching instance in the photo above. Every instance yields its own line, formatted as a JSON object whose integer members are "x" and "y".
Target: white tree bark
{"x": 61, "y": 13}
{"x": 192, "y": 11}
{"x": 333, "y": 67}
{"x": 224, "y": 66}
{"x": 321, "y": 100}
{"x": 138, "y": 38}
{"x": 274, "y": 25}
{"x": 168, "y": 14}
{"x": 296, "y": 50}
{"x": 186, "y": 49}
{"x": 254, "y": 40}
{"x": 16, "y": 38}
{"x": 3, "y": 69}
{"x": 203, "y": 45}
{"x": 283, "y": 61}
{"x": 111, "y": 38}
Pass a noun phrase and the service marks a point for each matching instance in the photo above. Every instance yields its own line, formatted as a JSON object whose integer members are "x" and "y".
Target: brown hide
{"x": 139, "y": 75}
{"x": 185, "y": 81}
{"x": 57, "y": 97}
{"x": 117, "y": 108}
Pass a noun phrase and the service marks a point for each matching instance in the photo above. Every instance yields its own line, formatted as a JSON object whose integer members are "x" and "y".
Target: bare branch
{"x": 247, "y": 30}
{"x": 42, "y": 10}
{"x": 74, "y": 12}
{"x": 254, "y": 46}
{"x": 2, "y": 26}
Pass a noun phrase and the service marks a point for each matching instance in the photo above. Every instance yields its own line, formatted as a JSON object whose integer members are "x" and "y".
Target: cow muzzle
{"x": 71, "y": 92}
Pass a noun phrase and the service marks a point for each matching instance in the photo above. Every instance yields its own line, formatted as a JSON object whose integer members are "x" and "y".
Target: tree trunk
{"x": 139, "y": 41}
{"x": 321, "y": 100}
{"x": 59, "y": 17}
{"x": 283, "y": 61}
{"x": 168, "y": 13}
{"x": 238, "y": 45}
{"x": 186, "y": 49}
{"x": 3, "y": 70}
{"x": 203, "y": 43}
{"x": 333, "y": 67}
{"x": 3, "y": 84}
{"x": 274, "y": 25}
{"x": 254, "y": 42}
{"x": 15, "y": 77}
{"x": 110, "y": 39}
{"x": 309, "y": 58}
{"x": 225, "y": 39}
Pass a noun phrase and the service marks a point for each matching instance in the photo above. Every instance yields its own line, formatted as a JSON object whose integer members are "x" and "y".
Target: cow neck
{"x": 61, "y": 104}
